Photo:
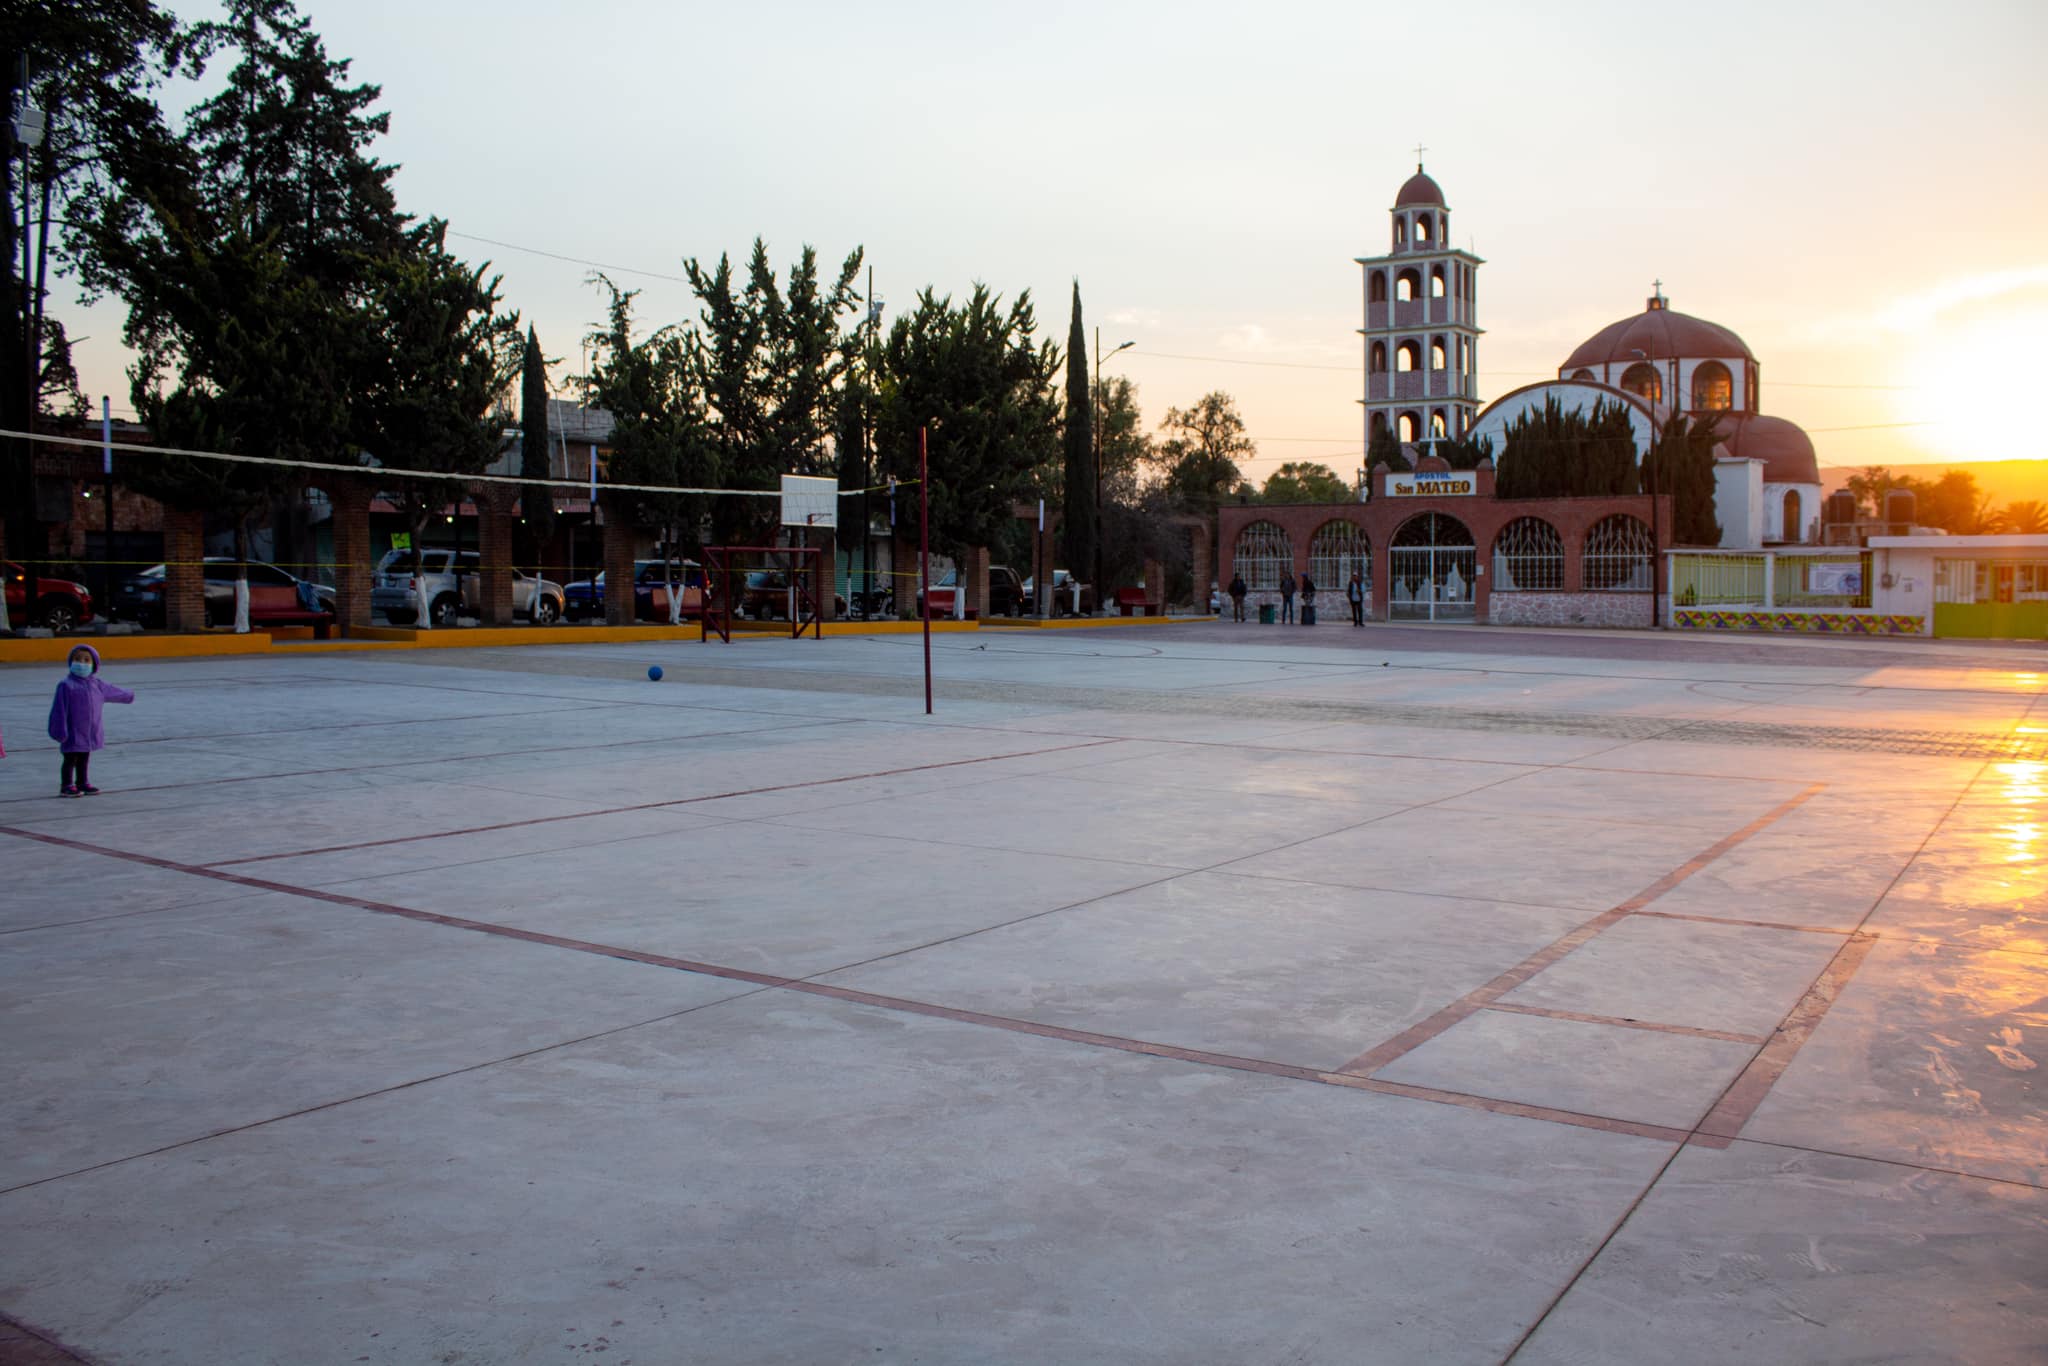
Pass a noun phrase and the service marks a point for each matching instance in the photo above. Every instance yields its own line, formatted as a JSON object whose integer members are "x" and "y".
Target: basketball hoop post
{"x": 924, "y": 559}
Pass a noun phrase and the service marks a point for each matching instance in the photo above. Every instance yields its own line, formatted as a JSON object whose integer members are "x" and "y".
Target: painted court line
{"x": 645, "y": 806}
{"x": 1623, "y": 1022}
{"x": 1740, "y": 1101}
{"x": 1371, "y": 1061}
{"x": 854, "y": 996}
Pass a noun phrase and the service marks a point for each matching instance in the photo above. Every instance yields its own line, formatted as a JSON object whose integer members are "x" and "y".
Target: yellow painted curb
{"x": 58, "y": 648}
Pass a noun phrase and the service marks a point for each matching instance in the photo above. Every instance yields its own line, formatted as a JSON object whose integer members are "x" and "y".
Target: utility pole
{"x": 1095, "y": 422}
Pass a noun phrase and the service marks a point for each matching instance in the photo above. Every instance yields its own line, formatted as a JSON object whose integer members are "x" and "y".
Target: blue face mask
{"x": 81, "y": 668}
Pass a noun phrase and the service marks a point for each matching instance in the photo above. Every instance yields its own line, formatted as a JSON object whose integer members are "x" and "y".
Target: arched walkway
{"x": 1262, "y": 554}
{"x": 1430, "y": 569}
{"x": 1337, "y": 549}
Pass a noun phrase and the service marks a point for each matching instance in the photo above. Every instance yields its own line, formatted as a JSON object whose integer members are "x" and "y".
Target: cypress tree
{"x": 537, "y": 504}
{"x": 1079, "y": 532}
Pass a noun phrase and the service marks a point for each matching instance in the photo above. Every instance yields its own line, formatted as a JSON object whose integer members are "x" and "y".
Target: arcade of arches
{"x": 1563, "y": 561}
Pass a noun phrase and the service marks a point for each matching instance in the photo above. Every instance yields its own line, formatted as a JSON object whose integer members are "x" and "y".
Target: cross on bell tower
{"x": 1421, "y": 328}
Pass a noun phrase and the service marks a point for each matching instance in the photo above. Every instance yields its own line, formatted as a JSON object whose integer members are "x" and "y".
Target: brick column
{"x": 184, "y": 575}
{"x": 826, "y": 587}
{"x": 495, "y": 521}
{"x": 1202, "y": 544}
{"x": 618, "y": 567}
{"x": 353, "y": 566}
{"x": 1154, "y": 574}
{"x": 973, "y": 581}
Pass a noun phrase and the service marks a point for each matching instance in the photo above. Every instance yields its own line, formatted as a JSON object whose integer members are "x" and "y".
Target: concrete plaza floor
{"x": 1181, "y": 995}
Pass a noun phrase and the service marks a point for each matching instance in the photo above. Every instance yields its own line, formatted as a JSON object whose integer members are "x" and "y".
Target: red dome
{"x": 1786, "y": 451}
{"x": 1659, "y": 334}
{"x": 1419, "y": 189}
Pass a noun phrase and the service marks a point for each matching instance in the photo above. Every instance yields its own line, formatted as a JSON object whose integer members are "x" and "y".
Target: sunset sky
{"x": 1855, "y": 188}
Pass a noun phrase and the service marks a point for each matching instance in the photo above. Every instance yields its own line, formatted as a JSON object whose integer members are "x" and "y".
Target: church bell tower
{"x": 1421, "y": 323}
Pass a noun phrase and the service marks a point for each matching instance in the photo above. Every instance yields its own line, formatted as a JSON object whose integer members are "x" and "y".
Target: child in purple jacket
{"x": 75, "y": 718}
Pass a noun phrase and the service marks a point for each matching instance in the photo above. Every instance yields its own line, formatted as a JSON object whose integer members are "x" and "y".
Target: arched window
{"x": 1262, "y": 555}
{"x": 1379, "y": 423}
{"x": 1437, "y": 359}
{"x": 1334, "y": 551}
{"x": 1423, "y": 229}
{"x": 1436, "y": 282}
{"x": 1379, "y": 358}
{"x": 1713, "y": 388}
{"x": 1528, "y": 557}
{"x": 1400, "y": 231}
{"x": 1408, "y": 357}
{"x": 1643, "y": 380}
{"x": 1582, "y": 374}
{"x": 1617, "y": 558}
{"x": 1376, "y": 286}
{"x": 1795, "y": 525}
{"x": 1411, "y": 427}
{"x": 1407, "y": 286}
{"x": 1437, "y": 426}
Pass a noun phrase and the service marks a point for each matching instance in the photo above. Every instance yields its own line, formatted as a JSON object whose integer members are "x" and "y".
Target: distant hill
{"x": 2007, "y": 481}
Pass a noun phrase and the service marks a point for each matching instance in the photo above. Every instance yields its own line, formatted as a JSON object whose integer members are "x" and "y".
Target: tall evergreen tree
{"x": 1681, "y": 464}
{"x": 1080, "y": 534}
{"x": 535, "y": 455}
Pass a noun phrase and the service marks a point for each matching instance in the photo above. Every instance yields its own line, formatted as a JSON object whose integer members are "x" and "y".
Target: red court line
{"x": 854, "y": 996}
{"x": 649, "y": 806}
{"x": 1745, "y": 924}
{"x": 1740, "y": 1101}
{"x": 1365, "y": 1064}
{"x": 1623, "y": 1022}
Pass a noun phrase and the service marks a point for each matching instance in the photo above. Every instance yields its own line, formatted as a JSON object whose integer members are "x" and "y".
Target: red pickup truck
{"x": 1006, "y": 595}
{"x": 60, "y": 603}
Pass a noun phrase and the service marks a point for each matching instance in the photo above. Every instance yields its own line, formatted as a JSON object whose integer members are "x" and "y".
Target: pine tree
{"x": 1079, "y": 533}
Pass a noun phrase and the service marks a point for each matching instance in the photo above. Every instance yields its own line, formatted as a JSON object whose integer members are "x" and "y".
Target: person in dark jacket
{"x": 1355, "y": 592}
{"x": 75, "y": 718}
{"x": 1286, "y": 598}
{"x": 1308, "y": 593}
{"x": 1237, "y": 592}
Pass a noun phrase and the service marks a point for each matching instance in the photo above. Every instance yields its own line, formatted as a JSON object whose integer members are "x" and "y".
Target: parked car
{"x": 454, "y": 585}
{"x": 584, "y": 599}
{"x": 766, "y": 596}
{"x": 60, "y": 603}
{"x": 1006, "y": 593}
{"x": 1063, "y": 594}
{"x": 275, "y": 596}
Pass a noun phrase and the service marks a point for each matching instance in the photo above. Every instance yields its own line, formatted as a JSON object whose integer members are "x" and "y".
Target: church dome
{"x": 1659, "y": 334}
{"x": 1419, "y": 189}
{"x": 1786, "y": 451}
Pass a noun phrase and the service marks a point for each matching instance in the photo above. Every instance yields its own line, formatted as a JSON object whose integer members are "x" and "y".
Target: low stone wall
{"x": 1571, "y": 609}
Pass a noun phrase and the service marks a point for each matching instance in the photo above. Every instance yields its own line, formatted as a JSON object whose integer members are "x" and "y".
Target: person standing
{"x": 1287, "y": 597}
{"x": 75, "y": 718}
{"x": 1355, "y": 591}
{"x": 1237, "y": 591}
{"x": 1308, "y": 599}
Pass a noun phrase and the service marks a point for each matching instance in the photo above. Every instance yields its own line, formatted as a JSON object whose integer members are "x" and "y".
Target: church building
{"x": 1421, "y": 337}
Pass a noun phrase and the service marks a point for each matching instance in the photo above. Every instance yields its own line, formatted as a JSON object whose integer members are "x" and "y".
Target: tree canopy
{"x": 1561, "y": 452}
{"x": 1080, "y": 534}
{"x": 1305, "y": 482}
{"x": 1201, "y": 451}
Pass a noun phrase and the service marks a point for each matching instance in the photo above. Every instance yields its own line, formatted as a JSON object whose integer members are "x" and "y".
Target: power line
{"x": 572, "y": 260}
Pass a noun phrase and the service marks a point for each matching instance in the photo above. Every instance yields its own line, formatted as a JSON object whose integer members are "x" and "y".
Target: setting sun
{"x": 1953, "y": 375}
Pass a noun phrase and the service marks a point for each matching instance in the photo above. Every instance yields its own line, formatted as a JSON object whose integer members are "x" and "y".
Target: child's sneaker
{"x": 69, "y": 791}
{"x": 88, "y": 790}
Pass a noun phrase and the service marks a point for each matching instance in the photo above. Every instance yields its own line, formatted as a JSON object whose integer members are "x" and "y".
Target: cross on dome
{"x": 1419, "y": 150}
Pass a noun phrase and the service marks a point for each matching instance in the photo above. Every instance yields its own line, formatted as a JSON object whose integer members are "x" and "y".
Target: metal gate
{"x": 1430, "y": 567}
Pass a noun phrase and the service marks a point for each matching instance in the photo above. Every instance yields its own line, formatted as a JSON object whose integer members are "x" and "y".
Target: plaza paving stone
{"x": 1179, "y": 995}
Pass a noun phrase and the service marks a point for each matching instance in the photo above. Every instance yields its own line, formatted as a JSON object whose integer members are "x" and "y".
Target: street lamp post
{"x": 1095, "y": 415}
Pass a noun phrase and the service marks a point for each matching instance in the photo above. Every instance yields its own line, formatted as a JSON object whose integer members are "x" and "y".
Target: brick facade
{"x": 619, "y": 540}
{"x": 184, "y": 572}
{"x": 353, "y": 562}
{"x": 496, "y": 516}
{"x": 1483, "y": 516}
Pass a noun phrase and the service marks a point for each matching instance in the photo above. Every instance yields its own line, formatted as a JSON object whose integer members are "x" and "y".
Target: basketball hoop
{"x": 810, "y": 502}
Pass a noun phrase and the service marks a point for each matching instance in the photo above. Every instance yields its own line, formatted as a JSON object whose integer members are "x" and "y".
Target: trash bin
{"x": 1308, "y": 614}
{"x": 1265, "y": 614}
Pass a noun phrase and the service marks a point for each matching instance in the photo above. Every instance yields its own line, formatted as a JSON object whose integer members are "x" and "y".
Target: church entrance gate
{"x": 1431, "y": 565}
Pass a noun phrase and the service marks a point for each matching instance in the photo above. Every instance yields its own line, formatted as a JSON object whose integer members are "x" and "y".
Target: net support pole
{"x": 924, "y": 559}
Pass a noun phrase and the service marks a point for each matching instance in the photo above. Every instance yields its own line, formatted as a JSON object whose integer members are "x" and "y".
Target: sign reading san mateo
{"x": 1433, "y": 484}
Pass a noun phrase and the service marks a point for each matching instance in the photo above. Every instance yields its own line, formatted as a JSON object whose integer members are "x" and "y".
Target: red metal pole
{"x": 924, "y": 560}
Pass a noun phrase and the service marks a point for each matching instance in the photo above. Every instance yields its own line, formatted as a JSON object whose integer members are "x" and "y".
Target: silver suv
{"x": 453, "y": 584}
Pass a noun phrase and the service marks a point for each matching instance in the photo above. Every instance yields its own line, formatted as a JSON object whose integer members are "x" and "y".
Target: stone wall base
{"x": 1571, "y": 609}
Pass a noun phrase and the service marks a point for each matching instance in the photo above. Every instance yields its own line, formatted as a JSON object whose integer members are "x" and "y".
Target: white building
{"x": 1421, "y": 323}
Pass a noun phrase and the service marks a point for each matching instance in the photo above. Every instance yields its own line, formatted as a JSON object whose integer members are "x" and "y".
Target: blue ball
{"x": 654, "y": 672}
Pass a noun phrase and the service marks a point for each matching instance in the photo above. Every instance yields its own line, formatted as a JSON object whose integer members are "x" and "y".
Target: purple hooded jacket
{"x": 75, "y": 712}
